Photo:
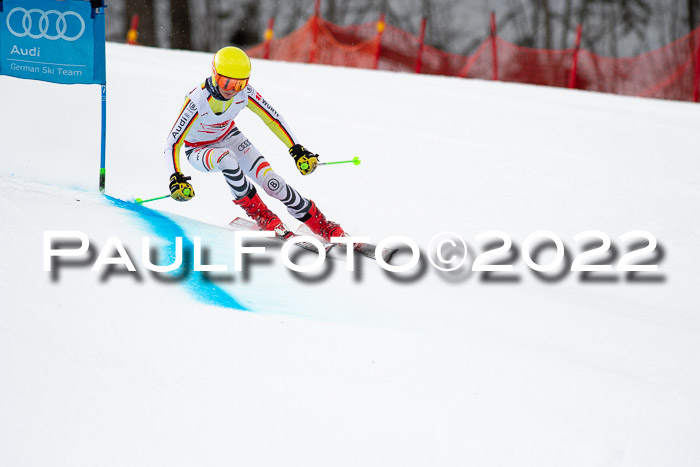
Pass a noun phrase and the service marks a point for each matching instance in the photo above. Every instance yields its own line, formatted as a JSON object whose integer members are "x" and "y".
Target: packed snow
{"x": 268, "y": 367}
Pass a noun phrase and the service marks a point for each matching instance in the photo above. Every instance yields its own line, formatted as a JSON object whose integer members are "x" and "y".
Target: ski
{"x": 240, "y": 223}
{"x": 369, "y": 249}
{"x": 365, "y": 249}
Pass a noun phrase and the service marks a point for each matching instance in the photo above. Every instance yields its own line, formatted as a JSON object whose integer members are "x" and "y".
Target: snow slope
{"x": 340, "y": 368}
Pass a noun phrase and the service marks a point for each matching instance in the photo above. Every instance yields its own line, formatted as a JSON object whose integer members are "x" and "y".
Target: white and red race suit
{"x": 212, "y": 142}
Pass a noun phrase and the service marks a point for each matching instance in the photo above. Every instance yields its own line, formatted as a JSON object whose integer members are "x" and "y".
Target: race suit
{"x": 212, "y": 142}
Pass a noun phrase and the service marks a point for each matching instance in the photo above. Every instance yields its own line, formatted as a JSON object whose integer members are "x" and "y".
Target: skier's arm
{"x": 178, "y": 133}
{"x": 180, "y": 189}
{"x": 305, "y": 160}
{"x": 269, "y": 115}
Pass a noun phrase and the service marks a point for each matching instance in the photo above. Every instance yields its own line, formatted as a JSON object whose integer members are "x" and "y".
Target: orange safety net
{"x": 667, "y": 73}
{"x": 670, "y": 72}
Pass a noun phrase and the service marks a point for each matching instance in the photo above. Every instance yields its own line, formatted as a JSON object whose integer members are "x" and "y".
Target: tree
{"x": 605, "y": 22}
{"x": 247, "y": 30}
{"x": 693, "y": 12}
{"x": 180, "y": 31}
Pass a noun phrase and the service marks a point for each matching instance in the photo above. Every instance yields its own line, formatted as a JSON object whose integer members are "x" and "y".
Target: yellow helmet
{"x": 230, "y": 69}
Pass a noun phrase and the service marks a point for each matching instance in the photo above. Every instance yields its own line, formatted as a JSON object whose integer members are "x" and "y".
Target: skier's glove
{"x": 306, "y": 160}
{"x": 180, "y": 190}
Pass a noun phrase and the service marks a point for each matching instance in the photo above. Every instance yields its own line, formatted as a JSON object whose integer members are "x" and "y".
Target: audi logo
{"x": 44, "y": 18}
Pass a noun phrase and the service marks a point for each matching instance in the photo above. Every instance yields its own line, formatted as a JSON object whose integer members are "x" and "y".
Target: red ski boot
{"x": 322, "y": 227}
{"x": 261, "y": 214}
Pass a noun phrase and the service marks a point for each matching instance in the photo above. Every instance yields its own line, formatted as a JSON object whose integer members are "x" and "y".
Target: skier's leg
{"x": 240, "y": 158}
{"x": 212, "y": 159}
{"x": 257, "y": 168}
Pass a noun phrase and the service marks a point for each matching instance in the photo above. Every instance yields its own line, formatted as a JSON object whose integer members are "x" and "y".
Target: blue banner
{"x": 48, "y": 40}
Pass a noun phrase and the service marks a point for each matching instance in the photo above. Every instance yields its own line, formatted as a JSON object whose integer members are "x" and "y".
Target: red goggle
{"x": 230, "y": 84}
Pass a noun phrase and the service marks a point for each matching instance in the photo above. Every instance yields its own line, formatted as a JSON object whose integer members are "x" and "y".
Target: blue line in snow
{"x": 195, "y": 283}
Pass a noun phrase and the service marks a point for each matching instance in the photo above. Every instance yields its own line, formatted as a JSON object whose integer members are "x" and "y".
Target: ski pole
{"x": 141, "y": 201}
{"x": 355, "y": 161}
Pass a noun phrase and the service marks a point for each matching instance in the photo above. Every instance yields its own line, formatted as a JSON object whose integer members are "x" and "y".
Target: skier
{"x": 213, "y": 143}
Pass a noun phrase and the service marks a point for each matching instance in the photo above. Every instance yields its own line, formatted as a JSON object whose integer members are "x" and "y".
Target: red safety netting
{"x": 667, "y": 73}
{"x": 671, "y": 72}
{"x": 319, "y": 41}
